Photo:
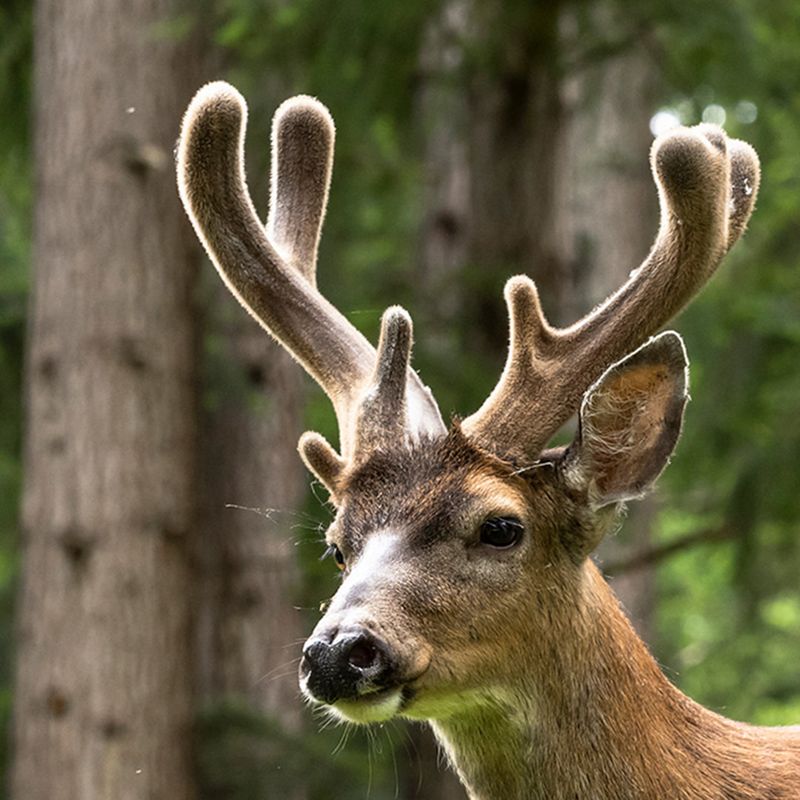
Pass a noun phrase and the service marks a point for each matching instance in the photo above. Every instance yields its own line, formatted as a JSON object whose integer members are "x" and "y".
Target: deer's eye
{"x": 334, "y": 552}
{"x": 501, "y": 532}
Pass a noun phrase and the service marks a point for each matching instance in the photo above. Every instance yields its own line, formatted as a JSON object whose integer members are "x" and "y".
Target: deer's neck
{"x": 589, "y": 716}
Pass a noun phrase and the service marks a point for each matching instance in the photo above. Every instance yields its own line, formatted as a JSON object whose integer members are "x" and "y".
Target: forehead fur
{"x": 434, "y": 477}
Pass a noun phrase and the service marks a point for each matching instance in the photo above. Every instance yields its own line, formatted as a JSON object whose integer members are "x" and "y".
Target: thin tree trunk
{"x": 610, "y": 207}
{"x": 516, "y": 146}
{"x": 250, "y": 630}
{"x": 103, "y": 690}
{"x": 443, "y": 114}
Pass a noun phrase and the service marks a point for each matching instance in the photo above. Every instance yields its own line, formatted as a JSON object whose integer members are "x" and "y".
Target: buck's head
{"x": 460, "y": 549}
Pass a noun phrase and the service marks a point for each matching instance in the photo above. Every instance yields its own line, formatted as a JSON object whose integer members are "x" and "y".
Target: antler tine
{"x": 706, "y": 194}
{"x": 745, "y": 180}
{"x": 322, "y": 460}
{"x": 382, "y": 411}
{"x": 302, "y": 161}
{"x": 280, "y": 295}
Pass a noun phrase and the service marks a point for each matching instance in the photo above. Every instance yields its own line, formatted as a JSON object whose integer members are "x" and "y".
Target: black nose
{"x": 346, "y": 666}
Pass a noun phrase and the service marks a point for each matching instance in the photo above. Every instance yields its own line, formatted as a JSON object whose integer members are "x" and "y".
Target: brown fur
{"x": 603, "y": 722}
{"x": 533, "y": 679}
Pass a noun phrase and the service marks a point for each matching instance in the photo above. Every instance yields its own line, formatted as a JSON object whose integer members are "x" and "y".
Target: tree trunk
{"x": 250, "y": 631}
{"x": 443, "y": 114}
{"x": 610, "y": 206}
{"x": 254, "y": 484}
{"x": 103, "y": 689}
{"x": 516, "y": 146}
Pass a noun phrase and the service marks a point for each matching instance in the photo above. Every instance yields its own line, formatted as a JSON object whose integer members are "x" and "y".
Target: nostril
{"x": 363, "y": 654}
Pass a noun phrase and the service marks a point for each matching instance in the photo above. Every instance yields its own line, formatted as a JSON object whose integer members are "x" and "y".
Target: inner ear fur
{"x": 630, "y": 422}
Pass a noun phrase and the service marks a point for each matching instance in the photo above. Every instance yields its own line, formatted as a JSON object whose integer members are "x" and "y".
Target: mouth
{"x": 378, "y": 705}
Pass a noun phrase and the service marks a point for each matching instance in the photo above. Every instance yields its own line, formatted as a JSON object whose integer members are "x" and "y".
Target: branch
{"x": 655, "y": 555}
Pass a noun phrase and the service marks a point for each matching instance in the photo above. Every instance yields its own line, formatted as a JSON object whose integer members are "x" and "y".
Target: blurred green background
{"x": 428, "y": 98}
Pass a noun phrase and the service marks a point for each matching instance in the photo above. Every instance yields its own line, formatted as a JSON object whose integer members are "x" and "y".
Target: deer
{"x": 469, "y": 598}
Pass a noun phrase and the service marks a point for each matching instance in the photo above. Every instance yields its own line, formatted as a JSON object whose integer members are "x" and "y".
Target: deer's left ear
{"x": 630, "y": 421}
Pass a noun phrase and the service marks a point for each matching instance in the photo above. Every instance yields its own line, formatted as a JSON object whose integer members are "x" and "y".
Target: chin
{"x": 375, "y": 707}
{"x": 443, "y": 702}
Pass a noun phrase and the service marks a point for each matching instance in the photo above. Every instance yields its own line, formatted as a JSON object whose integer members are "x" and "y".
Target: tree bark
{"x": 443, "y": 114}
{"x": 610, "y": 207}
{"x": 516, "y": 141}
{"x": 250, "y": 631}
{"x": 103, "y": 689}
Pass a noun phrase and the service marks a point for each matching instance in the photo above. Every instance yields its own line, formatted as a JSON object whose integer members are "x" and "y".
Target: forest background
{"x": 159, "y": 540}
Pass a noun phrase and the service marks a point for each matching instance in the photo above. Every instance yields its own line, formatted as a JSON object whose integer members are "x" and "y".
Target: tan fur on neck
{"x": 594, "y": 718}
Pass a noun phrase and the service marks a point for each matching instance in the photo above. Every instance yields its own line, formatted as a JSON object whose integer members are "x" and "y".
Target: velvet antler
{"x": 272, "y": 272}
{"x": 707, "y": 187}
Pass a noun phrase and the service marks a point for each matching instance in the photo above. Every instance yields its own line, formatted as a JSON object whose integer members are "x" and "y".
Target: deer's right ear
{"x": 630, "y": 421}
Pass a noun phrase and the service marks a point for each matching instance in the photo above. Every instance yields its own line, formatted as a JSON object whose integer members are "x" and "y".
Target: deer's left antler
{"x": 707, "y": 187}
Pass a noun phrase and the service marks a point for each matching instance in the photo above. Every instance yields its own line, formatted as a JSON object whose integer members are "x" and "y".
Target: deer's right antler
{"x": 273, "y": 272}
{"x": 707, "y": 188}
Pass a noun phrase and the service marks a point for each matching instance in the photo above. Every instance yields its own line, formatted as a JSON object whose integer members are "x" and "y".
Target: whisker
{"x": 301, "y": 640}
{"x": 408, "y": 743}
{"x": 290, "y": 673}
{"x": 292, "y": 663}
{"x": 369, "y": 761}
{"x": 342, "y": 743}
{"x": 261, "y": 511}
{"x": 394, "y": 765}
{"x": 315, "y": 486}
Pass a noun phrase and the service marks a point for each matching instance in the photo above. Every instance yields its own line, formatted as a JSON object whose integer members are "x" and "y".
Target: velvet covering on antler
{"x": 272, "y": 270}
{"x": 707, "y": 187}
